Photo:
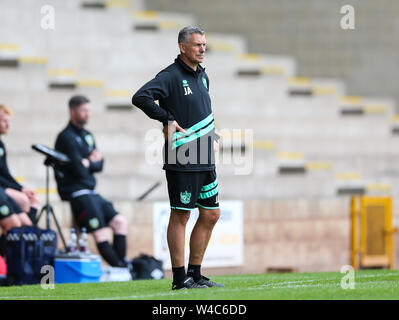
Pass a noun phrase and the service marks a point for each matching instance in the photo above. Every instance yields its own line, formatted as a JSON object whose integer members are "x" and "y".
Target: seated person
{"x": 76, "y": 184}
{"x": 25, "y": 197}
{"x": 11, "y": 216}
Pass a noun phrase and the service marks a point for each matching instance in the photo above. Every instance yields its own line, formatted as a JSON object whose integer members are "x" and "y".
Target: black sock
{"x": 179, "y": 274}
{"x": 32, "y": 215}
{"x": 120, "y": 246}
{"x": 194, "y": 271}
{"x": 109, "y": 254}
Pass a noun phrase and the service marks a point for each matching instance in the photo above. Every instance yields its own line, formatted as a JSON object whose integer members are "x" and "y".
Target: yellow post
{"x": 354, "y": 248}
{"x": 389, "y": 231}
{"x": 363, "y": 236}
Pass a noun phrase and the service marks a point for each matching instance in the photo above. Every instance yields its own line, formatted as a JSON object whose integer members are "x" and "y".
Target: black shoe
{"x": 133, "y": 272}
{"x": 188, "y": 283}
{"x": 206, "y": 282}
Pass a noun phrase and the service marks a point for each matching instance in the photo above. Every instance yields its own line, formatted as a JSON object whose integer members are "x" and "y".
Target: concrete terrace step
{"x": 250, "y": 187}
{"x": 119, "y": 187}
{"x": 115, "y": 164}
{"x": 50, "y": 117}
{"x": 109, "y": 44}
{"x": 50, "y": 101}
{"x": 339, "y": 145}
{"x": 86, "y": 20}
{"x": 369, "y": 164}
{"x": 265, "y": 126}
{"x": 115, "y": 143}
{"x": 258, "y": 64}
{"x": 123, "y": 186}
{"x": 134, "y": 121}
{"x": 243, "y": 102}
{"x": 28, "y": 5}
{"x": 261, "y": 164}
{"x": 291, "y": 186}
{"x": 222, "y": 45}
{"x": 276, "y": 89}
{"x": 130, "y": 122}
{"x": 125, "y": 141}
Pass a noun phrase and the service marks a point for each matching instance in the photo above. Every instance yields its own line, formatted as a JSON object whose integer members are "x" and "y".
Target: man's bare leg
{"x": 202, "y": 233}
{"x": 176, "y": 239}
{"x": 199, "y": 240}
{"x": 176, "y": 236}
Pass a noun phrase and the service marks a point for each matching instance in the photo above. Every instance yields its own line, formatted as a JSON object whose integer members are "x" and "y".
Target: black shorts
{"x": 91, "y": 211}
{"x": 188, "y": 190}
{"x": 8, "y": 206}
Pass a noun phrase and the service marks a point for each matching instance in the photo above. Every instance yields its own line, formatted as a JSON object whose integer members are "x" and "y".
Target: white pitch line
{"x": 277, "y": 285}
{"x": 286, "y": 285}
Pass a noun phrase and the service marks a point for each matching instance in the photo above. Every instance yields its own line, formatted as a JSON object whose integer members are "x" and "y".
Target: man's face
{"x": 4, "y": 122}
{"x": 194, "y": 49}
{"x": 80, "y": 116}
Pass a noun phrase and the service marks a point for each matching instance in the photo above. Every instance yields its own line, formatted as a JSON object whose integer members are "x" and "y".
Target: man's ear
{"x": 182, "y": 47}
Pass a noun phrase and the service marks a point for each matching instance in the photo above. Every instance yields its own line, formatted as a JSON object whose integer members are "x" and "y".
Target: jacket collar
{"x": 180, "y": 62}
{"x": 75, "y": 128}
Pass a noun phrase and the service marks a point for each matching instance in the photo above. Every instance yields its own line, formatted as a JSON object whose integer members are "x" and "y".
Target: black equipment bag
{"x": 28, "y": 249}
{"x": 147, "y": 267}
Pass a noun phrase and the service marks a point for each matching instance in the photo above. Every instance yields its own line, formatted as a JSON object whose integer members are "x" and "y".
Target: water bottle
{"x": 72, "y": 244}
{"x": 83, "y": 242}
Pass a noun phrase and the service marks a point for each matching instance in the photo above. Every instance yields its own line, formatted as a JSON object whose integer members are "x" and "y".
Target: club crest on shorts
{"x": 185, "y": 197}
{"x": 94, "y": 223}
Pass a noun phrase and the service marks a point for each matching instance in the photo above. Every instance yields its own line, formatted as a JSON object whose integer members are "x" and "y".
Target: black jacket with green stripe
{"x": 183, "y": 95}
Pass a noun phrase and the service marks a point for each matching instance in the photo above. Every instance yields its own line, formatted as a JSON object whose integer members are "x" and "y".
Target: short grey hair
{"x": 185, "y": 33}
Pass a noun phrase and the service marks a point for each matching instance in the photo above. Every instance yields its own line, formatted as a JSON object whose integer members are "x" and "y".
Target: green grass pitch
{"x": 369, "y": 284}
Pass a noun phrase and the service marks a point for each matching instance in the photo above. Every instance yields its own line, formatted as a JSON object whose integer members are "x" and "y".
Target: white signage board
{"x": 225, "y": 248}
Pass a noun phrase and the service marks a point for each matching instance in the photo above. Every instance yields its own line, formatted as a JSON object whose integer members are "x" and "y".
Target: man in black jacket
{"x": 182, "y": 90}
{"x": 26, "y": 198}
{"x": 76, "y": 184}
{"x": 16, "y": 201}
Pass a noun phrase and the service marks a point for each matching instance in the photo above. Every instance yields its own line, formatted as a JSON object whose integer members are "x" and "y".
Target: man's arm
{"x": 10, "y": 182}
{"x": 145, "y": 97}
{"x": 96, "y": 161}
{"x": 68, "y": 146}
{"x": 6, "y": 179}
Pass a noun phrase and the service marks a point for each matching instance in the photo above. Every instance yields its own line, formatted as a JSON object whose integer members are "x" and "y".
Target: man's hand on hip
{"x": 170, "y": 129}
